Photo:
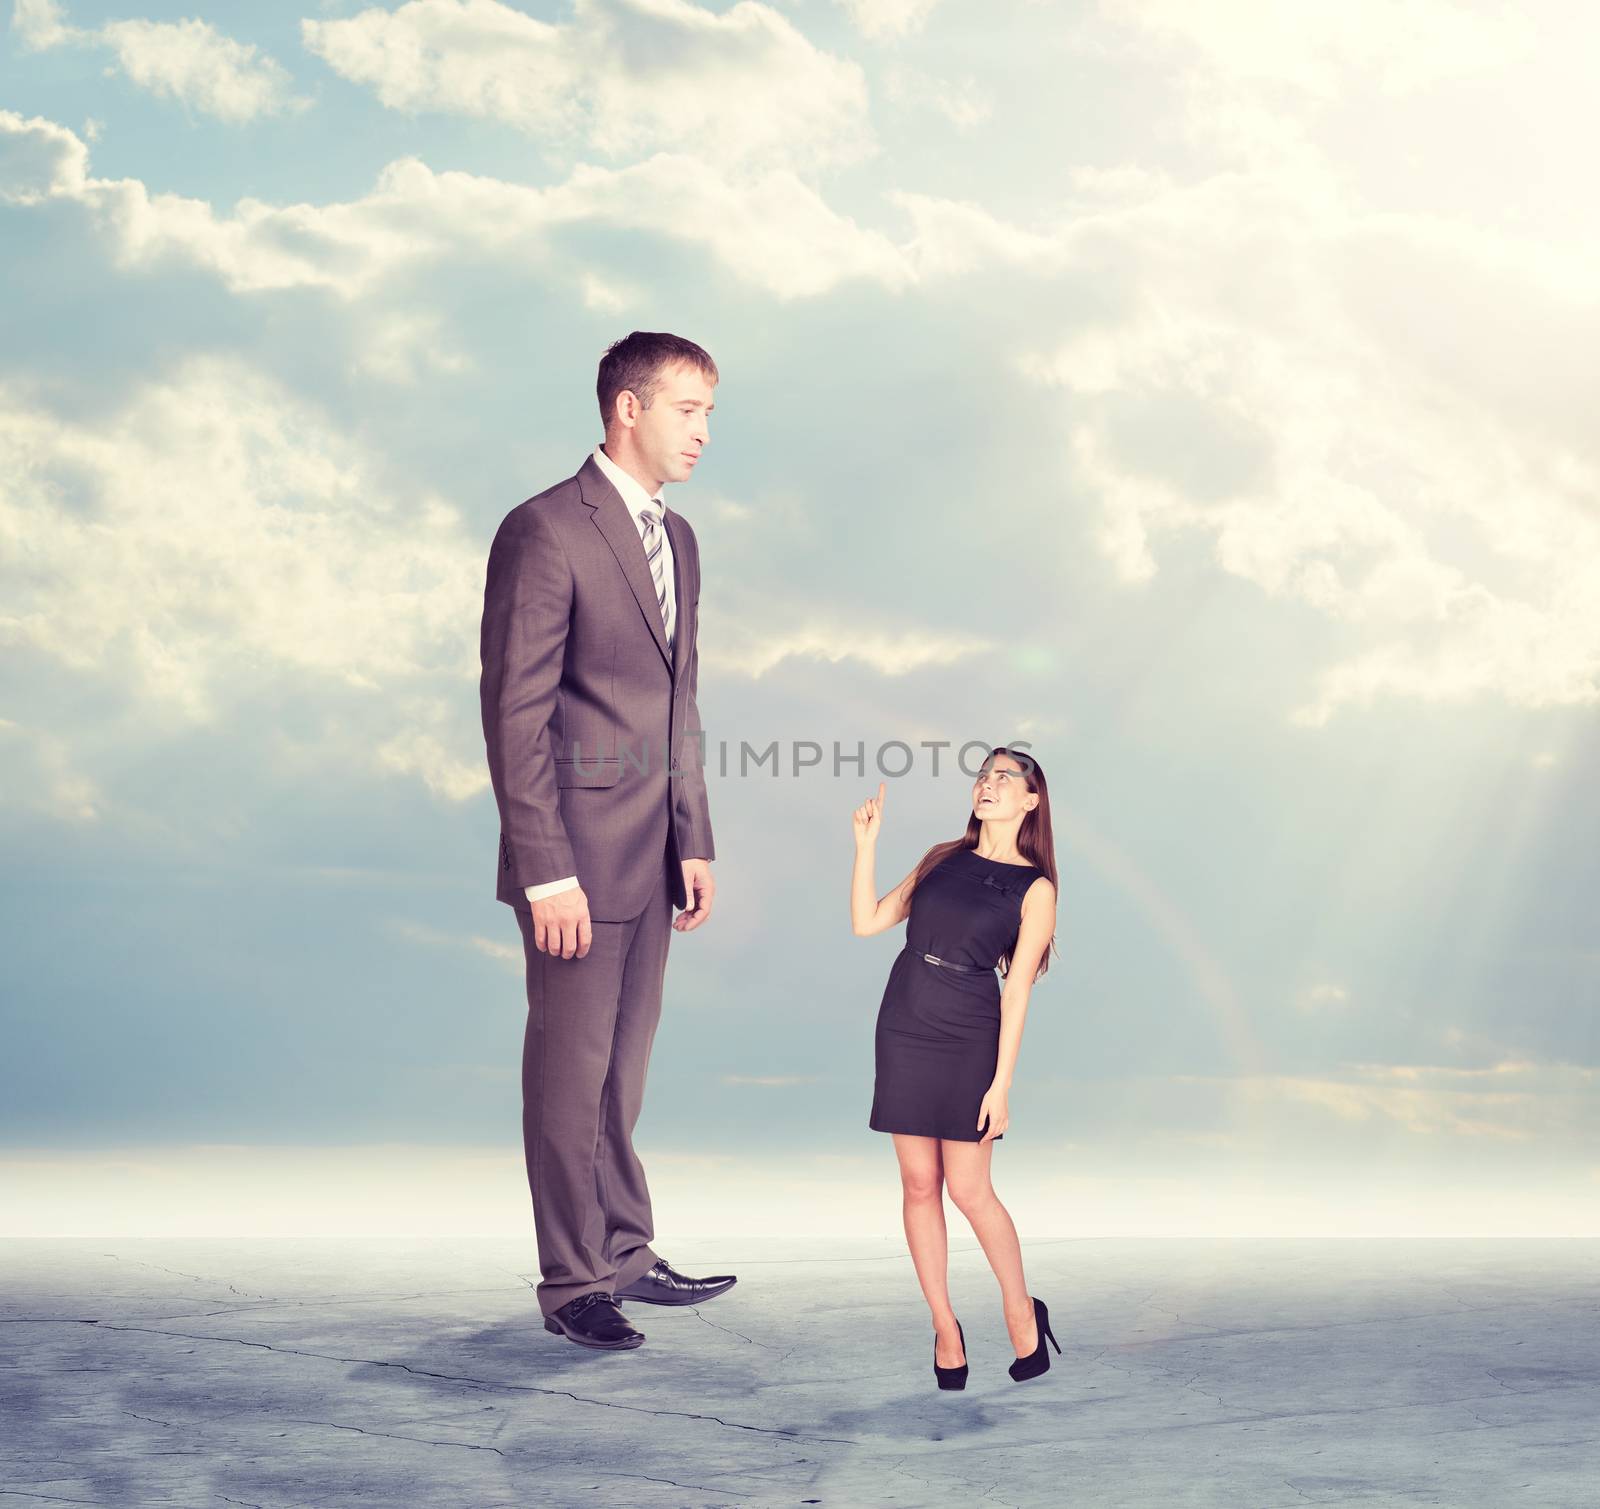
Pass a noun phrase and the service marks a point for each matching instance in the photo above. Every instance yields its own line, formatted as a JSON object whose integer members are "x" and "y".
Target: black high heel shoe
{"x": 951, "y": 1377}
{"x": 1038, "y": 1360}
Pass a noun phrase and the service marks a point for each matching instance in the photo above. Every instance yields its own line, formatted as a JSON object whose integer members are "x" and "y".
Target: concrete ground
{"x": 1228, "y": 1373}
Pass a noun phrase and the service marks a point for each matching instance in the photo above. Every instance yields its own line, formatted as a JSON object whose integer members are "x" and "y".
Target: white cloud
{"x": 626, "y": 77}
{"x": 772, "y": 230}
{"x": 39, "y": 160}
{"x": 39, "y": 773}
{"x": 428, "y": 746}
{"x": 879, "y": 20}
{"x": 193, "y": 63}
{"x": 1372, "y": 414}
{"x": 753, "y": 649}
{"x": 771, "y": 1081}
{"x": 1321, "y": 47}
{"x": 951, "y": 237}
{"x": 1509, "y": 1101}
{"x": 961, "y": 102}
{"x": 215, "y": 533}
{"x": 399, "y": 347}
{"x": 189, "y": 61}
{"x": 38, "y": 24}
{"x": 508, "y": 954}
{"x": 472, "y": 57}
{"x": 1337, "y": 439}
{"x": 602, "y": 294}
{"x": 1320, "y": 996}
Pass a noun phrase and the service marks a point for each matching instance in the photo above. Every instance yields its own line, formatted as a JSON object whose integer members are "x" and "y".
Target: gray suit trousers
{"x": 591, "y": 1022}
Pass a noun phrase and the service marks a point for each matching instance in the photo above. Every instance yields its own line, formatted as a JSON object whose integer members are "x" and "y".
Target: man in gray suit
{"x": 590, "y": 666}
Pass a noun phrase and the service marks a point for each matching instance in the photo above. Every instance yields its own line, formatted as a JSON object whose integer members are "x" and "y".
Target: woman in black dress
{"x": 947, "y": 1034}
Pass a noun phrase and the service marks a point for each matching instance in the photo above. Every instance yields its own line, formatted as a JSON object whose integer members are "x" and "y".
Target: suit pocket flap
{"x": 594, "y": 771}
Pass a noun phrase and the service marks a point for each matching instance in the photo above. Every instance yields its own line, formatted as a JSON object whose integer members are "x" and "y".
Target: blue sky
{"x": 1204, "y": 400}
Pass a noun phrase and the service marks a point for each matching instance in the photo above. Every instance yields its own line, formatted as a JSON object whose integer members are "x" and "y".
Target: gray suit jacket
{"x": 592, "y": 731}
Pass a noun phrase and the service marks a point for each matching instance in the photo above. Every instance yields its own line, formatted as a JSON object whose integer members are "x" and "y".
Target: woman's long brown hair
{"x": 1035, "y": 841}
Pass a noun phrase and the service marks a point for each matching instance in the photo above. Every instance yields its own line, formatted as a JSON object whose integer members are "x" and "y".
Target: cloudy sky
{"x": 1200, "y": 392}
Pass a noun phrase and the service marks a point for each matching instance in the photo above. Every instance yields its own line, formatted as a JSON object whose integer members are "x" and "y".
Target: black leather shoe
{"x": 593, "y": 1320}
{"x": 662, "y": 1285}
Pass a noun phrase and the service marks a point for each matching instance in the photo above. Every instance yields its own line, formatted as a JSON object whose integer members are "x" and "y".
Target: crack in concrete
{"x": 148, "y": 1419}
{"x": 695, "y": 1309}
{"x": 647, "y": 1478}
{"x": 1377, "y": 1409}
{"x": 318, "y": 1304}
{"x": 1250, "y": 1414}
{"x": 1188, "y": 1383}
{"x": 1148, "y": 1303}
{"x": 390, "y": 1436}
{"x": 485, "y": 1383}
{"x": 1106, "y": 1362}
{"x": 1223, "y": 1334}
{"x": 45, "y": 1320}
{"x": 1217, "y": 1399}
{"x": 179, "y": 1273}
{"x": 49, "y": 1498}
{"x": 988, "y": 1493}
{"x": 899, "y": 1466}
{"x": 32, "y": 1370}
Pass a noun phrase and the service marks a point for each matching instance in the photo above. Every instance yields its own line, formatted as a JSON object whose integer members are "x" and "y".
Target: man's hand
{"x": 699, "y": 888}
{"x": 561, "y": 924}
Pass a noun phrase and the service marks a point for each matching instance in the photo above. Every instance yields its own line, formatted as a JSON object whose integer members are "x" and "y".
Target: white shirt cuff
{"x": 548, "y": 888}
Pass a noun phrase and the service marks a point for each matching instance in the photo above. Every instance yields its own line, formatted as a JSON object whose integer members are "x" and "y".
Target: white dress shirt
{"x": 637, "y": 499}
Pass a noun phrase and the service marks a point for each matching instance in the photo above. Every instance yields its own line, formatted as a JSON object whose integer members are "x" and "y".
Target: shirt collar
{"x": 632, "y": 493}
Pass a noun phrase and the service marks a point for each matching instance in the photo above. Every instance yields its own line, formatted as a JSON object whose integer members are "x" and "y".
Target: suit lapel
{"x": 613, "y": 520}
{"x": 680, "y": 591}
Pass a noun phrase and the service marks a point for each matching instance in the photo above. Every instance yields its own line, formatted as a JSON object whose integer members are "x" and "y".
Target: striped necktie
{"x": 658, "y": 568}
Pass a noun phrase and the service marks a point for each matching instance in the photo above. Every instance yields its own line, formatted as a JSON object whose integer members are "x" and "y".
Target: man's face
{"x": 672, "y": 432}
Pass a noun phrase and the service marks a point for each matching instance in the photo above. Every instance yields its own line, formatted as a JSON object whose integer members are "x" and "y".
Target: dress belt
{"x": 966, "y": 969}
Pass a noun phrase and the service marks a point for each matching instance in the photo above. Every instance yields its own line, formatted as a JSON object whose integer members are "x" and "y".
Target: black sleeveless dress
{"x": 938, "y": 1035}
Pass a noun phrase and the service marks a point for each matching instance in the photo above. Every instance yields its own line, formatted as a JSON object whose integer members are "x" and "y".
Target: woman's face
{"x": 1001, "y": 791}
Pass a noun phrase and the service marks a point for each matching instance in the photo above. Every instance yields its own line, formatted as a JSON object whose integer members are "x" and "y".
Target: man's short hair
{"x": 636, "y": 363}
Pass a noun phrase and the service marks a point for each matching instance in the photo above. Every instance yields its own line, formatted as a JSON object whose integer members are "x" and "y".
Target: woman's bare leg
{"x": 966, "y": 1174}
{"x": 922, "y": 1191}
